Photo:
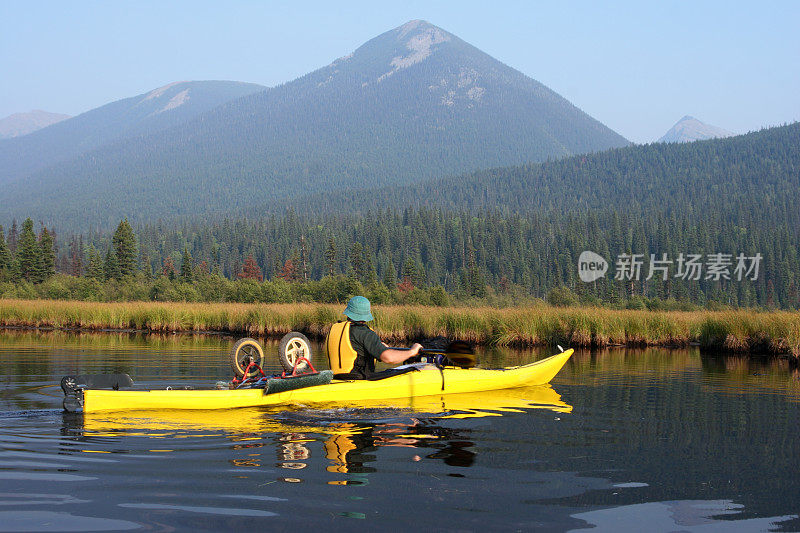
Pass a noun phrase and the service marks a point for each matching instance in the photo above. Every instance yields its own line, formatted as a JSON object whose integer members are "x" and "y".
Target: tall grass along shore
{"x": 774, "y": 332}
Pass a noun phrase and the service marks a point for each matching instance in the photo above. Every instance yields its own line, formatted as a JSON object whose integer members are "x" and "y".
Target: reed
{"x": 748, "y": 331}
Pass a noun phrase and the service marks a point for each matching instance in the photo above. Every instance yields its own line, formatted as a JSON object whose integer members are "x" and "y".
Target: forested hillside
{"x": 751, "y": 181}
{"x": 413, "y": 104}
{"x": 519, "y": 231}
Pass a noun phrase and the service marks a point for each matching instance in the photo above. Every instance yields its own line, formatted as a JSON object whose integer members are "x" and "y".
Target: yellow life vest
{"x": 341, "y": 354}
{"x": 337, "y": 446}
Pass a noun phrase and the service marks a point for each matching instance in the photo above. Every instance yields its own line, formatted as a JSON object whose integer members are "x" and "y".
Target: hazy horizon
{"x": 636, "y": 68}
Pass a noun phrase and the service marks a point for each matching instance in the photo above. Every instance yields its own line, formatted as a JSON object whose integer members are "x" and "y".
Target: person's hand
{"x": 415, "y": 348}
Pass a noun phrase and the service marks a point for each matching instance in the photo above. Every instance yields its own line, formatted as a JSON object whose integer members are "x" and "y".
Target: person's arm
{"x": 377, "y": 349}
{"x": 394, "y": 356}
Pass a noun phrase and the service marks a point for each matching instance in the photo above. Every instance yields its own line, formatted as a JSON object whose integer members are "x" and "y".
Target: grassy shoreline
{"x": 746, "y": 331}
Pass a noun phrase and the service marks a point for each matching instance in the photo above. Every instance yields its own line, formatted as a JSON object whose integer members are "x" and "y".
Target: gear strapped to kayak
{"x": 246, "y": 358}
{"x": 294, "y": 355}
{"x": 441, "y": 370}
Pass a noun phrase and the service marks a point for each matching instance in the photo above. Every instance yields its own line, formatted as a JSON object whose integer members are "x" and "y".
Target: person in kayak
{"x": 352, "y": 346}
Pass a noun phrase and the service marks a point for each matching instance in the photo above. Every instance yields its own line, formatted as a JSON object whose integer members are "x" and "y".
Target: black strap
{"x": 349, "y": 376}
{"x": 345, "y": 331}
{"x": 377, "y": 376}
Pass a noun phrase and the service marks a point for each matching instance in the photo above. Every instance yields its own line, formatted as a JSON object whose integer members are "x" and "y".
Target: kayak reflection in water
{"x": 353, "y": 347}
{"x": 348, "y": 447}
{"x": 293, "y": 452}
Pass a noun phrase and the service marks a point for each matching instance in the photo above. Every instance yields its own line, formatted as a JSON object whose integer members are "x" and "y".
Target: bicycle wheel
{"x": 244, "y": 352}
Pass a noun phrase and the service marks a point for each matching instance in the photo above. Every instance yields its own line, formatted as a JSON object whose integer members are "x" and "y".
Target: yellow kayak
{"x": 251, "y": 420}
{"x": 426, "y": 381}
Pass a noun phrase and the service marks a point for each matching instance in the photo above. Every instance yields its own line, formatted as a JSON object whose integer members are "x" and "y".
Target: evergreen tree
{"x": 330, "y": 257}
{"x": 297, "y": 266}
{"x": 75, "y": 263}
{"x": 5, "y": 252}
{"x": 389, "y": 275}
{"x": 58, "y": 262}
{"x": 13, "y": 237}
{"x": 370, "y": 274}
{"x": 147, "y": 267}
{"x": 410, "y": 271}
{"x": 357, "y": 260}
{"x": 95, "y": 269}
{"x": 47, "y": 256}
{"x": 124, "y": 242}
{"x": 28, "y": 252}
{"x": 111, "y": 265}
{"x": 476, "y": 283}
{"x": 186, "y": 266}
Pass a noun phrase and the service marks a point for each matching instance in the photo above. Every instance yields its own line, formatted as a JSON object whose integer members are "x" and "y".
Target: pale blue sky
{"x": 638, "y": 67}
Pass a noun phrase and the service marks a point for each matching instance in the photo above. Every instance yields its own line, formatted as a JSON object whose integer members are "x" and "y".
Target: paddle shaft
{"x": 458, "y": 358}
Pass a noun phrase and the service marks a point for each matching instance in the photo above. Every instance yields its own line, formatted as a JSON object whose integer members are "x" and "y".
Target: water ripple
{"x": 42, "y": 476}
{"x": 13, "y": 498}
{"x": 224, "y": 511}
{"x": 53, "y": 521}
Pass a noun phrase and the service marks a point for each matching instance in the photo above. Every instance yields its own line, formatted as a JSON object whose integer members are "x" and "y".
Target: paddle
{"x": 457, "y": 353}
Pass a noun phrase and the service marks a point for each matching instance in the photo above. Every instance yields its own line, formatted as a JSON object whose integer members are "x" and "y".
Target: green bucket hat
{"x": 358, "y": 309}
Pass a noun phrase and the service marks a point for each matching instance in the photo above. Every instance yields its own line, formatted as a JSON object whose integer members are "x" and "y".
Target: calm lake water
{"x": 623, "y": 440}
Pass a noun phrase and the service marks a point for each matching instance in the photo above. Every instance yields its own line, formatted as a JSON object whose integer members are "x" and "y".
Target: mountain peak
{"x": 20, "y": 124}
{"x": 690, "y": 129}
{"x": 412, "y": 25}
{"x": 419, "y": 38}
{"x": 416, "y": 25}
{"x": 401, "y": 47}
